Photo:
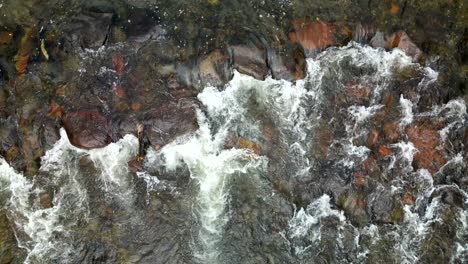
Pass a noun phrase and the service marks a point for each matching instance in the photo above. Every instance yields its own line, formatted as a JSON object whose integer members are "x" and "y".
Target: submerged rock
{"x": 89, "y": 30}
{"x": 9, "y": 250}
{"x": 164, "y": 124}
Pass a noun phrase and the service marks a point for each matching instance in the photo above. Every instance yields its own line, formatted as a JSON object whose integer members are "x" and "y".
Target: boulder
{"x": 378, "y": 40}
{"x": 250, "y": 60}
{"x": 363, "y": 32}
{"x": 283, "y": 65}
{"x": 166, "y": 123}
{"x": 214, "y": 69}
{"x": 87, "y": 129}
{"x": 427, "y": 141}
{"x": 313, "y": 35}
{"x": 402, "y": 41}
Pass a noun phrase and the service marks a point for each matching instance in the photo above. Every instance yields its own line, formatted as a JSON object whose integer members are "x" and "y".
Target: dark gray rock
{"x": 89, "y": 30}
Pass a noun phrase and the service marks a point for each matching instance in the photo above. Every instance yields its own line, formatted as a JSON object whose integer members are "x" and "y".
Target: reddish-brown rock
{"x": 248, "y": 144}
{"x": 407, "y": 198}
{"x": 370, "y": 165}
{"x": 394, "y": 8}
{"x": 363, "y": 32}
{"x": 312, "y": 34}
{"x": 402, "y": 41}
{"x": 5, "y": 37}
{"x": 391, "y": 131}
{"x": 359, "y": 179}
{"x": 26, "y": 46}
{"x": 55, "y": 109}
{"x": 135, "y": 106}
{"x": 426, "y": 140}
{"x": 373, "y": 137}
{"x": 87, "y": 129}
{"x": 119, "y": 91}
{"x": 118, "y": 63}
{"x": 384, "y": 151}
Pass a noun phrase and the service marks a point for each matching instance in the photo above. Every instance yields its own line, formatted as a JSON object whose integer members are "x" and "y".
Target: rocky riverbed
{"x": 233, "y": 131}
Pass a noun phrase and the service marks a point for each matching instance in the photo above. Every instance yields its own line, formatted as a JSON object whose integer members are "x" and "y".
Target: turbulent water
{"x": 251, "y": 133}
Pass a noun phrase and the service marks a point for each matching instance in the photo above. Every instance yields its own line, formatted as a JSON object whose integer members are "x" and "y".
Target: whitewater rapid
{"x": 215, "y": 158}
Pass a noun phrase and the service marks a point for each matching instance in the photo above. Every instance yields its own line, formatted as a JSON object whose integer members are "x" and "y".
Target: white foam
{"x": 112, "y": 163}
{"x": 37, "y": 227}
{"x": 407, "y": 111}
{"x": 303, "y": 220}
{"x": 362, "y": 113}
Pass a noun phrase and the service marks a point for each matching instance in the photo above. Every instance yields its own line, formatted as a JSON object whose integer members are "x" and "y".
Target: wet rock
{"x": 8, "y": 244}
{"x": 407, "y": 198}
{"x": 5, "y": 37}
{"x": 363, "y": 32}
{"x": 450, "y": 195}
{"x": 26, "y": 46}
{"x": 164, "y": 124}
{"x": 324, "y": 138}
{"x": 8, "y": 136}
{"x": 357, "y": 93}
{"x": 384, "y": 151}
{"x": 438, "y": 247}
{"x": 97, "y": 252}
{"x": 392, "y": 131}
{"x": 55, "y": 109}
{"x": 49, "y": 131}
{"x": 312, "y": 35}
{"x": 250, "y": 60}
{"x": 214, "y": 69}
{"x": 118, "y": 63}
{"x": 135, "y": 164}
{"x": 87, "y": 129}
{"x": 402, "y": 41}
{"x": 354, "y": 206}
{"x": 373, "y": 137}
{"x": 46, "y": 200}
{"x": 378, "y": 40}
{"x": 188, "y": 75}
{"x": 371, "y": 166}
{"x": 382, "y": 207}
{"x": 248, "y": 144}
{"x": 89, "y": 30}
{"x": 427, "y": 141}
{"x": 283, "y": 65}
{"x": 359, "y": 179}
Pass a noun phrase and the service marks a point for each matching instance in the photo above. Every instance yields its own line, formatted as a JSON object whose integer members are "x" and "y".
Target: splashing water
{"x": 48, "y": 233}
{"x": 260, "y": 130}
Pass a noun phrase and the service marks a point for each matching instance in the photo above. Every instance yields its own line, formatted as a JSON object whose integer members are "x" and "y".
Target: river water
{"x": 220, "y": 201}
